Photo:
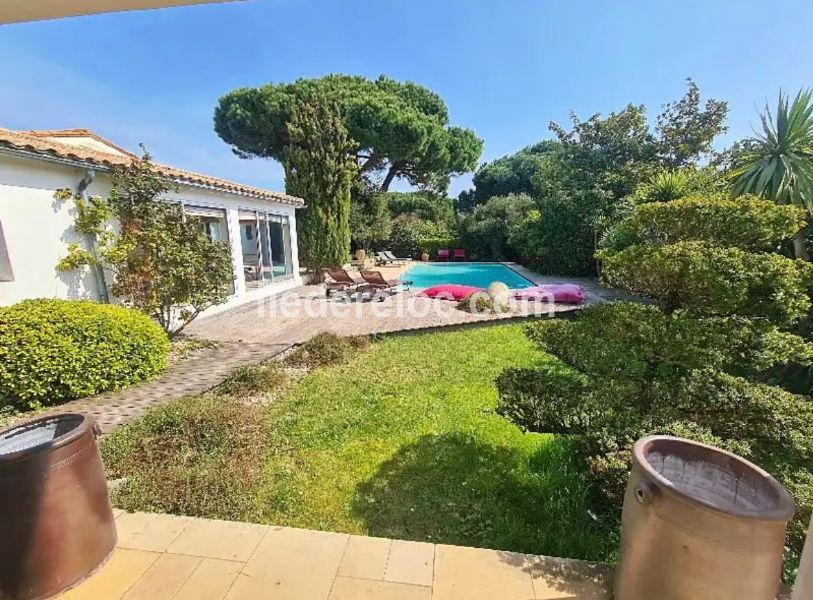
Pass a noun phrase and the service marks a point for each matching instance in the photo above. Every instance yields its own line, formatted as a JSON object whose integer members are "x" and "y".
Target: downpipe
{"x": 98, "y": 270}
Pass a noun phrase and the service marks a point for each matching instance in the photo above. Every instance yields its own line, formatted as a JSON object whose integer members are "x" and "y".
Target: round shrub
{"x": 52, "y": 351}
{"x": 748, "y": 223}
{"x": 713, "y": 280}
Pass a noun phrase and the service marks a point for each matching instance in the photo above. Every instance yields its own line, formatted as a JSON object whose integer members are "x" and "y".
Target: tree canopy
{"x": 511, "y": 174}
{"x": 399, "y": 130}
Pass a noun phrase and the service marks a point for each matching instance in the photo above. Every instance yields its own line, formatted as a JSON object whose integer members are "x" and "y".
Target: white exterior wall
{"x": 37, "y": 230}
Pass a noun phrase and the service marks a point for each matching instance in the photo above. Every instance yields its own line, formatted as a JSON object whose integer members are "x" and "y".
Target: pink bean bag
{"x": 451, "y": 291}
{"x": 567, "y": 293}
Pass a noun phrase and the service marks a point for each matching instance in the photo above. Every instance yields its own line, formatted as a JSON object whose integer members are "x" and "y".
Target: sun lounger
{"x": 341, "y": 281}
{"x": 393, "y": 258}
{"x": 459, "y": 254}
{"x": 376, "y": 280}
{"x": 443, "y": 254}
{"x": 383, "y": 259}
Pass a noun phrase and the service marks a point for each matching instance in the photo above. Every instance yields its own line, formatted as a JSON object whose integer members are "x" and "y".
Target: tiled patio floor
{"x": 161, "y": 557}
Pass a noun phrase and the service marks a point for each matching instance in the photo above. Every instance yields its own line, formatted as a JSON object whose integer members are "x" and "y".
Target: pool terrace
{"x": 296, "y": 316}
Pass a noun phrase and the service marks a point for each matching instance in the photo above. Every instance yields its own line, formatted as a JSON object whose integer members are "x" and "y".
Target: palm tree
{"x": 778, "y": 161}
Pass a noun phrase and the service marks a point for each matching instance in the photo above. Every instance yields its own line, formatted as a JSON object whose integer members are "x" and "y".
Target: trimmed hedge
{"x": 748, "y": 223}
{"x": 53, "y": 351}
{"x": 713, "y": 280}
{"x": 629, "y": 370}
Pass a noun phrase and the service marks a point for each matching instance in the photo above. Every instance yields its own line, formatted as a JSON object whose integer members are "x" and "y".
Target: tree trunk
{"x": 799, "y": 247}
{"x": 385, "y": 185}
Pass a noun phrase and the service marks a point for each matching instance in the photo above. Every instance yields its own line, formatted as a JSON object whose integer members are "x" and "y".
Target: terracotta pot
{"x": 700, "y": 522}
{"x": 425, "y": 257}
{"x": 56, "y": 523}
{"x": 361, "y": 254}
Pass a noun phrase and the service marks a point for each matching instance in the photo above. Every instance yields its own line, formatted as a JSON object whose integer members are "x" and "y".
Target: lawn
{"x": 403, "y": 441}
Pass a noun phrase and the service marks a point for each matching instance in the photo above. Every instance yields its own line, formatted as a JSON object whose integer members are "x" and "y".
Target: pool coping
{"x": 512, "y": 266}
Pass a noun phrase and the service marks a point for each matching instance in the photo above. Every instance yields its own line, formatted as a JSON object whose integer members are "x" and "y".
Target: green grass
{"x": 403, "y": 441}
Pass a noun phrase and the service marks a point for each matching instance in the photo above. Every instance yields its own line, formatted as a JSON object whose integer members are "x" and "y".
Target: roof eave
{"x": 84, "y": 163}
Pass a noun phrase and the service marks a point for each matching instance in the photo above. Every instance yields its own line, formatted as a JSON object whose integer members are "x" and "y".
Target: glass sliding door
{"x": 250, "y": 247}
{"x": 266, "y": 244}
{"x": 280, "y": 246}
{"x": 267, "y": 256}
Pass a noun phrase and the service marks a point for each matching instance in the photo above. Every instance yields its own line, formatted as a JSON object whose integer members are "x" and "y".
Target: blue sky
{"x": 506, "y": 69}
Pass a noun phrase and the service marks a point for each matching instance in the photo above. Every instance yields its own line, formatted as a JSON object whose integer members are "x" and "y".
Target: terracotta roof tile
{"x": 41, "y": 142}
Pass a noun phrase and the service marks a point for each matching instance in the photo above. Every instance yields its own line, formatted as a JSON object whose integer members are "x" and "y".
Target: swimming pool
{"x": 425, "y": 275}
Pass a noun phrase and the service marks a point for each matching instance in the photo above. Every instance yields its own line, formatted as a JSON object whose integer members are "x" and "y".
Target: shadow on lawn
{"x": 454, "y": 489}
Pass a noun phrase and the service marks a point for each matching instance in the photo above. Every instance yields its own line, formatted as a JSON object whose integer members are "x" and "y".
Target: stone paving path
{"x": 193, "y": 375}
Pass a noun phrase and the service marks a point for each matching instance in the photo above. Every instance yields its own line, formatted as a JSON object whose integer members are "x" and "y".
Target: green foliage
{"x": 162, "y": 261}
{"x": 746, "y": 222}
{"x": 686, "y": 131}
{"x": 198, "y": 456}
{"x": 431, "y": 243}
{"x": 76, "y": 258}
{"x": 512, "y": 174}
{"x": 639, "y": 340}
{"x": 713, "y": 280}
{"x": 410, "y": 236}
{"x": 631, "y": 370}
{"x": 166, "y": 266}
{"x": 91, "y": 214}
{"x": 672, "y": 184}
{"x": 559, "y": 237}
{"x": 318, "y": 169}
{"x": 52, "y": 351}
{"x": 399, "y": 129}
{"x": 485, "y": 231}
{"x": 778, "y": 162}
{"x": 693, "y": 365}
{"x": 423, "y": 205}
{"x": 369, "y": 218}
{"x": 326, "y": 349}
{"x": 252, "y": 380}
{"x": 583, "y": 181}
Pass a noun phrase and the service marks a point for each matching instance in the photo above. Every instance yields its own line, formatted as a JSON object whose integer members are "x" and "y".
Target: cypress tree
{"x": 319, "y": 168}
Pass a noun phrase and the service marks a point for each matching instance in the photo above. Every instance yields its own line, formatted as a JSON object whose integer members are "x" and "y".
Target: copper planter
{"x": 56, "y": 523}
{"x": 700, "y": 523}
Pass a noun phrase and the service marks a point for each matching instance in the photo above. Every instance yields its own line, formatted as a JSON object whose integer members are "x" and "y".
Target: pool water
{"x": 426, "y": 275}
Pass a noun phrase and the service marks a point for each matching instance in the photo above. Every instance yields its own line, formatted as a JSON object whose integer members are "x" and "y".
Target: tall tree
{"x": 686, "y": 130}
{"x": 399, "y": 129}
{"x": 319, "y": 169}
{"x": 777, "y": 163}
{"x": 511, "y": 174}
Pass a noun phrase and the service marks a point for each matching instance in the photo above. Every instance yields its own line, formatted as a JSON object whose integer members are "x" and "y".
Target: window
{"x": 214, "y": 224}
{"x": 6, "y": 273}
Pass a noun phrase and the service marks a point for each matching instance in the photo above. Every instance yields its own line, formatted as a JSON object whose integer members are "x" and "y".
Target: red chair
{"x": 459, "y": 254}
{"x": 444, "y": 254}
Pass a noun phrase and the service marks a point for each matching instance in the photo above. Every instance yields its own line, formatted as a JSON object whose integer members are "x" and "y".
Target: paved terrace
{"x": 161, "y": 557}
{"x": 266, "y": 323}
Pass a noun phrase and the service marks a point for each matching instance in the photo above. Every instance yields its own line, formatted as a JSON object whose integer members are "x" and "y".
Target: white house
{"x": 35, "y": 229}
